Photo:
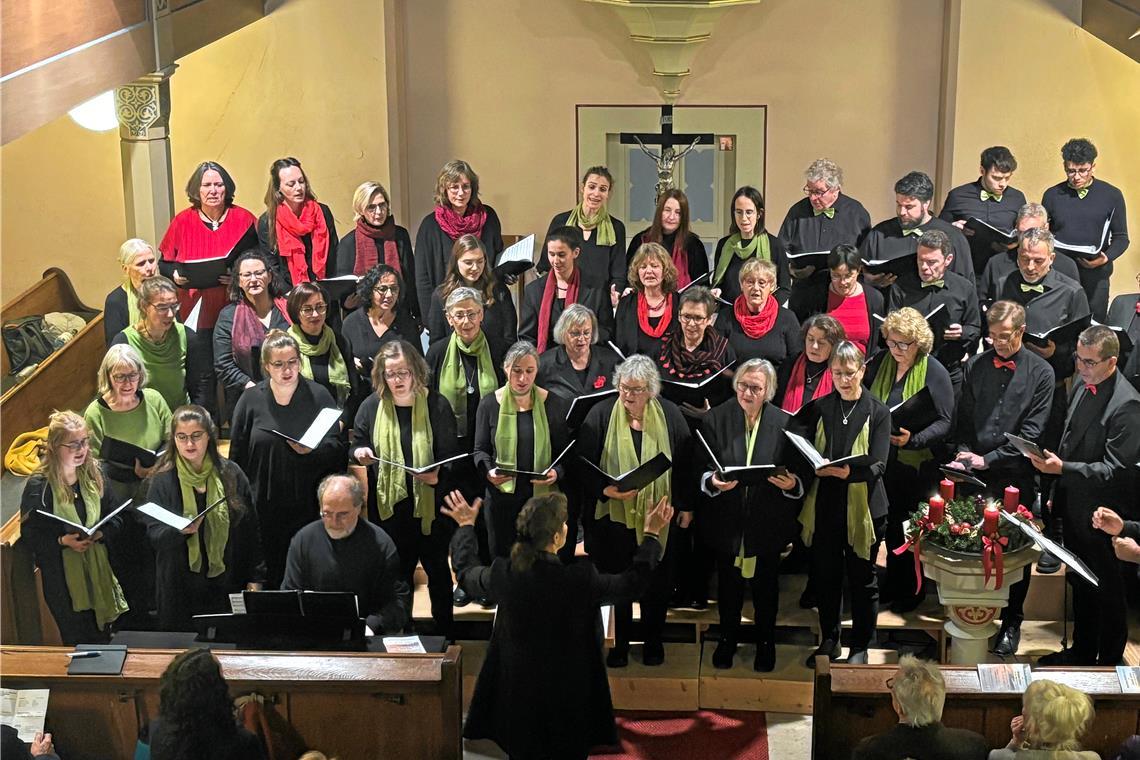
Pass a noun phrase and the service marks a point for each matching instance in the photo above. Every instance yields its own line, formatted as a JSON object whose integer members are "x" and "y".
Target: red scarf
{"x": 755, "y": 326}
{"x": 290, "y": 230}
{"x": 189, "y": 239}
{"x": 794, "y": 393}
{"x": 643, "y": 316}
{"x": 455, "y": 226}
{"x": 680, "y": 256}
{"x": 366, "y": 254}
{"x": 548, "y": 294}
{"x": 248, "y": 331}
{"x": 681, "y": 363}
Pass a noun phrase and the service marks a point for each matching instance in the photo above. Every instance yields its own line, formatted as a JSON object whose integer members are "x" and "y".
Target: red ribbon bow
{"x": 1010, "y": 365}
{"x": 1090, "y": 388}
{"x": 992, "y": 559}
{"x": 916, "y": 541}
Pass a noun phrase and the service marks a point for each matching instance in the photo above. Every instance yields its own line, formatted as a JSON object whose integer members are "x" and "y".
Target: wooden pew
{"x": 24, "y": 614}
{"x": 351, "y": 705}
{"x": 66, "y": 379}
{"x": 853, "y": 701}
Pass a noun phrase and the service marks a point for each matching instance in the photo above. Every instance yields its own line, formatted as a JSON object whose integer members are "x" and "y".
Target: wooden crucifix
{"x": 669, "y": 155}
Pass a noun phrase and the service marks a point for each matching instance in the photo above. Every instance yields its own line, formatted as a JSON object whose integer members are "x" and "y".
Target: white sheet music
{"x": 24, "y": 710}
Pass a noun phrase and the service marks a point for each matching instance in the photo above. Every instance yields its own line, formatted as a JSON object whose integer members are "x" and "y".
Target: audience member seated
{"x": 196, "y": 715}
{"x": 13, "y": 749}
{"x": 121, "y": 308}
{"x": 1053, "y": 717}
{"x": 918, "y": 694}
{"x": 341, "y": 552}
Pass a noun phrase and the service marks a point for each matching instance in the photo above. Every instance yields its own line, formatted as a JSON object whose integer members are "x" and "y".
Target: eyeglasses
{"x": 816, "y": 193}
{"x": 459, "y": 188}
{"x": 1073, "y": 171}
{"x": 400, "y": 374}
{"x": 840, "y": 375}
{"x": 581, "y": 333}
{"x": 291, "y": 364}
{"x": 633, "y": 390}
{"x": 1090, "y": 363}
{"x": 376, "y": 208}
{"x": 1005, "y": 337}
{"x": 252, "y": 275}
{"x": 384, "y": 290}
{"x": 751, "y": 281}
{"x": 841, "y": 276}
{"x": 77, "y": 446}
{"x": 130, "y": 377}
{"x": 308, "y": 311}
{"x": 165, "y": 308}
{"x": 692, "y": 319}
{"x": 755, "y": 390}
{"x": 335, "y": 516}
{"x": 190, "y": 437}
{"x": 900, "y": 345}
{"x": 465, "y": 316}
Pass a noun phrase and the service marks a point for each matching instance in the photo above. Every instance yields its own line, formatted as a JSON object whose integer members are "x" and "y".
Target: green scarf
{"x": 758, "y": 246}
{"x": 338, "y": 370}
{"x": 391, "y": 485}
{"x": 619, "y": 455}
{"x": 600, "y": 221}
{"x": 913, "y": 382}
{"x": 217, "y": 520}
{"x": 165, "y": 362}
{"x": 453, "y": 376}
{"x": 507, "y": 437}
{"x": 860, "y": 527}
{"x": 90, "y": 581}
{"x": 134, "y": 313}
{"x": 747, "y": 564}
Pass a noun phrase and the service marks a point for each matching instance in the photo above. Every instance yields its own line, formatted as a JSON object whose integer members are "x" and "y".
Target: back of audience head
{"x": 195, "y": 707}
{"x": 918, "y": 692}
{"x": 1056, "y": 716}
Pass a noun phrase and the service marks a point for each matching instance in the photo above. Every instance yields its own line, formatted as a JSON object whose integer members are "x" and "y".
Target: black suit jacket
{"x": 933, "y": 742}
{"x": 594, "y": 299}
{"x": 557, "y": 375}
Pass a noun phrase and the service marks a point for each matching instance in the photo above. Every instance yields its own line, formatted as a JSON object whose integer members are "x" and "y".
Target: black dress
{"x": 502, "y": 509}
{"x": 181, "y": 593}
{"x": 557, "y": 375}
{"x": 115, "y": 314}
{"x": 601, "y": 266}
{"x": 500, "y": 320}
{"x": 346, "y": 264}
{"x": 283, "y": 483}
{"x": 628, "y": 335}
{"x": 433, "y": 252}
{"x": 307, "y": 241}
{"x": 543, "y": 684}
{"x": 403, "y": 526}
{"x": 43, "y": 534}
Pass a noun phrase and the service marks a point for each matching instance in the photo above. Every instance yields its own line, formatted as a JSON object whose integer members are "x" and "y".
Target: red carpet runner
{"x": 703, "y": 735}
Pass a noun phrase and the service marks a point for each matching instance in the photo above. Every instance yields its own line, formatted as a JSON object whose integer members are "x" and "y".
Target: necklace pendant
{"x": 844, "y": 420}
{"x": 470, "y": 390}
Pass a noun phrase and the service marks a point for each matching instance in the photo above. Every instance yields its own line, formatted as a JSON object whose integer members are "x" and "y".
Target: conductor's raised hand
{"x": 657, "y": 518}
{"x": 457, "y": 508}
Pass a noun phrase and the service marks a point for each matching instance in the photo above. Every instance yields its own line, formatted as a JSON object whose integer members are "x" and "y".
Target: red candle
{"x": 990, "y": 520}
{"x": 946, "y": 489}
{"x": 1010, "y": 499}
{"x": 937, "y": 510}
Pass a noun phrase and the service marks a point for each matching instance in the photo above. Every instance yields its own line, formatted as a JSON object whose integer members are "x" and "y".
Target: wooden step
{"x": 674, "y": 685}
{"x": 787, "y": 689}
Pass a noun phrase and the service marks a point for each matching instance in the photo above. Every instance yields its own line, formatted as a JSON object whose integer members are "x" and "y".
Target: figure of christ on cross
{"x": 669, "y": 155}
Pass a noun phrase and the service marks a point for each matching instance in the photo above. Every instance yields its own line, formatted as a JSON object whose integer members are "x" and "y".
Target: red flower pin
{"x": 599, "y": 382}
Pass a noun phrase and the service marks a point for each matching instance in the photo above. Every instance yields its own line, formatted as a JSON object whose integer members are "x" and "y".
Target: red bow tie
{"x": 1138, "y": 307}
{"x": 1090, "y": 388}
{"x": 1010, "y": 365}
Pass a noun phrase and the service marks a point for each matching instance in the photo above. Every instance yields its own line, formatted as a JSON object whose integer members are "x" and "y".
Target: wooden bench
{"x": 853, "y": 701}
{"x": 352, "y": 706}
{"x": 64, "y": 380}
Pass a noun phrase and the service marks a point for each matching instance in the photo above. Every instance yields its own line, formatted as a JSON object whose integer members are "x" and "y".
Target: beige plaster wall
{"x": 1052, "y": 81}
{"x": 499, "y": 85}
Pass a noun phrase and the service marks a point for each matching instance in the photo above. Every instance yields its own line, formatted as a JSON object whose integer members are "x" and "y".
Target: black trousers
{"x": 833, "y": 560}
{"x": 502, "y": 512}
{"x": 181, "y": 594}
{"x": 765, "y": 586}
{"x": 1095, "y": 284}
{"x": 573, "y": 493}
{"x": 617, "y": 545}
{"x": 693, "y": 563}
{"x": 431, "y": 551}
{"x": 1100, "y": 622}
{"x": 201, "y": 382}
{"x": 905, "y": 488}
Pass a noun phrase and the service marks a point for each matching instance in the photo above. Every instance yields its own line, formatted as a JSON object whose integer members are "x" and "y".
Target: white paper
{"x": 165, "y": 516}
{"x": 1089, "y": 250}
{"x": 321, "y": 425}
{"x": 1004, "y": 678}
{"x": 421, "y": 470}
{"x": 94, "y": 528}
{"x": 191, "y": 322}
{"x": 24, "y": 710}
{"x": 607, "y": 619}
{"x": 404, "y": 644}
{"x": 520, "y": 251}
{"x": 1129, "y": 676}
{"x": 794, "y": 256}
{"x": 807, "y": 449}
{"x": 237, "y": 603}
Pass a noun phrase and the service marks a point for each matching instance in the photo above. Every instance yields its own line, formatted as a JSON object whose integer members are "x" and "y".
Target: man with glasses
{"x": 1078, "y": 209}
{"x": 1095, "y": 466}
{"x": 341, "y": 552}
{"x": 821, "y": 220}
{"x": 897, "y": 237}
{"x": 1004, "y": 389}
{"x": 990, "y": 198}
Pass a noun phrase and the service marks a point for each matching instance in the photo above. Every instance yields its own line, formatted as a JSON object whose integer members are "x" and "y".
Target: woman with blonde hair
{"x": 121, "y": 308}
{"x": 646, "y": 317}
{"x": 458, "y": 211}
{"x": 376, "y": 239}
{"x": 1053, "y": 718}
{"x": 80, "y": 587}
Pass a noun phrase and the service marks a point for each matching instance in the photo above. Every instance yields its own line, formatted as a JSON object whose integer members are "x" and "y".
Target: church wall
{"x": 858, "y": 82}
{"x": 1030, "y": 78}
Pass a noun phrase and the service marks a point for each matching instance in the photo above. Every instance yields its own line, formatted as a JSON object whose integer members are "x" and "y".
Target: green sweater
{"x": 146, "y": 425}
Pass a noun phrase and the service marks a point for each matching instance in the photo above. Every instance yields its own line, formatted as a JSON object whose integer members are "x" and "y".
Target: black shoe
{"x": 618, "y": 657}
{"x": 807, "y": 599}
{"x": 765, "y": 660}
{"x": 459, "y": 598}
{"x": 1047, "y": 564}
{"x": 1008, "y": 639}
{"x": 485, "y": 603}
{"x": 699, "y": 604}
{"x": 652, "y": 653}
{"x": 723, "y": 654}
{"x": 857, "y": 657}
{"x": 1066, "y": 657}
{"x": 829, "y": 648}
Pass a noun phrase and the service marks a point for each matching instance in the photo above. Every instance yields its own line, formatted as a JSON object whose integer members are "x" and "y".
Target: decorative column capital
{"x": 143, "y": 106}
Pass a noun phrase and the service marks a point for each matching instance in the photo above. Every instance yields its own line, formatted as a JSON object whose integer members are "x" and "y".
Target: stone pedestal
{"x": 972, "y": 605}
{"x": 143, "y": 107}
